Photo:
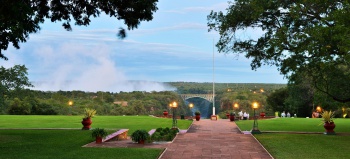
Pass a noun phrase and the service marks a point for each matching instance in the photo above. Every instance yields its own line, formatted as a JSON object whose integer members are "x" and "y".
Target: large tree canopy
{"x": 19, "y": 18}
{"x": 13, "y": 78}
{"x": 296, "y": 35}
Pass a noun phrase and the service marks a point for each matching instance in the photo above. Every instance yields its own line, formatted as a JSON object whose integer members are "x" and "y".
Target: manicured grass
{"x": 43, "y": 144}
{"x": 294, "y": 124}
{"x": 109, "y": 122}
{"x": 25, "y": 143}
{"x": 310, "y": 146}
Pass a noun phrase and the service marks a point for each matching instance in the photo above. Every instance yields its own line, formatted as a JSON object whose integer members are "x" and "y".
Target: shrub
{"x": 164, "y": 134}
{"x": 139, "y": 135}
{"x": 197, "y": 113}
{"x": 89, "y": 113}
{"x": 99, "y": 132}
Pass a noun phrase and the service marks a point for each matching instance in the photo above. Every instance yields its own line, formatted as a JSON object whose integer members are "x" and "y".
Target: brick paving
{"x": 219, "y": 139}
{"x": 205, "y": 139}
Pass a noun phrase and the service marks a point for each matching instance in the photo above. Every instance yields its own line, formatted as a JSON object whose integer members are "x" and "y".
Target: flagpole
{"x": 213, "y": 80}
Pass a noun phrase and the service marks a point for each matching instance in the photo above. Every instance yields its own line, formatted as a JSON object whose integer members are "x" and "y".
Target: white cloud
{"x": 74, "y": 66}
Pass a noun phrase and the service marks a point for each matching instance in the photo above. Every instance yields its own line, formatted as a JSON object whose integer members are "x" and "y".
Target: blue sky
{"x": 174, "y": 46}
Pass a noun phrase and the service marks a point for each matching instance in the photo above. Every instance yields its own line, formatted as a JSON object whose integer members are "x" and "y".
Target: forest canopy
{"x": 297, "y": 36}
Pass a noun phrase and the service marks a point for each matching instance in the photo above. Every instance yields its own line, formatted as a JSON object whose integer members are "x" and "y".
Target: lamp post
{"x": 191, "y": 106}
{"x": 174, "y": 106}
{"x": 318, "y": 109}
{"x": 255, "y": 129}
{"x": 235, "y": 106}
{"x": 70, "y": 103}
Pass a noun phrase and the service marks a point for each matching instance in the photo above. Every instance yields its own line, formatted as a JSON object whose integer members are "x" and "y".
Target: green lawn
{"x": 109, "y": 122}
{"x": 295, "y": 124}
{"x": 67, "y": 143}
{"x": 19, "y": 143}
{"x": 43, "y": 144}
{"x": 310, "y": 146}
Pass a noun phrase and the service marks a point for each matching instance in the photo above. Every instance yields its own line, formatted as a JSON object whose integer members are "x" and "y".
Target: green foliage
{"x": 12, "y": 80}
{"x": 99, "y": 132}
{"x": 276, "y": 100}
{"x": 222, "y": 115}
{"x": 138, "y": 103}
{"x": 197, "y": 113}
{"x": 301, "y": 96}
{"x": 244, "y": 99}
{"x": 327, "y": 116}
{"x": 17, "y": 107}
{"x": 289, "y": 41}
{"x": 330, "y": 78}
{"x": 139, "y": 135}
{"x": 89, "y": 113}
{"x": 207, "y": 88}
{"x": 164, "y": 134}
{"x": 43, "y": 109}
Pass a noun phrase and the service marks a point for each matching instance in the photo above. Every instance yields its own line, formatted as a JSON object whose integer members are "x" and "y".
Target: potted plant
{"x": 198, "y": 115}
{"x": 227, "y": 115}
{"x": 140, "y": 136}
{"x": 262, "y": 114}
{"x": 88, "y": 114}
{"x": 328, "y": 123}
{"x": 165, "y": 113}
{"x": 99, "y": 133}
{"x": 232, "y": 116}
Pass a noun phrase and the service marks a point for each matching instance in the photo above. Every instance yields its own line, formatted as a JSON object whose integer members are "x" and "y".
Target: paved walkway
{"x": 205, "y": 139}
{"x": 219, "y": 139}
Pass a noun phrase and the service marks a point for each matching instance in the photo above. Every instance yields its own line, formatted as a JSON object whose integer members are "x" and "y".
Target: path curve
{"x": 221, "y": 139}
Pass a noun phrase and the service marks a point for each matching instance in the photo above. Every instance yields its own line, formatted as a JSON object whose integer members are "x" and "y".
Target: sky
{"x": 175, "y": 46}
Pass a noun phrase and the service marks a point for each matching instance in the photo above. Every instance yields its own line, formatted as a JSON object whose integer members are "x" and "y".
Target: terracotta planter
{"x": 98, "y": 140}
{"x": 232, "y": 117}
{"x": 165, "y": 113}
{"x": 227, "y": 115}
{"x": 87, "y": 123}
{"x": 198, "y": 117}
{"x": 141, "y": 142}
{"x": 329, "y": 128}
{"x": 262, "y": 114}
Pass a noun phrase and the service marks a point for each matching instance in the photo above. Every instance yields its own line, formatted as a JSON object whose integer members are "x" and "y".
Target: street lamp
{"x": 255, "y": 129}
{"x": 318, "y": 109}
{"x": 235, "y": 106}
{"x": 191, "y": 106}
{"x": 70, "y": 103}
{"x": 174, "y": 106}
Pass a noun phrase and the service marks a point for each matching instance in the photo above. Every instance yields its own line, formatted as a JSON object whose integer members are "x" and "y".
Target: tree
{"x": 295, "y": 35}
{"x": 332, "y": 79}
{"x": 301, "y": 94}
{"x": 19, "y": 18}
{"x": 14, "y": 78}
{"x": 276, "y": 100}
